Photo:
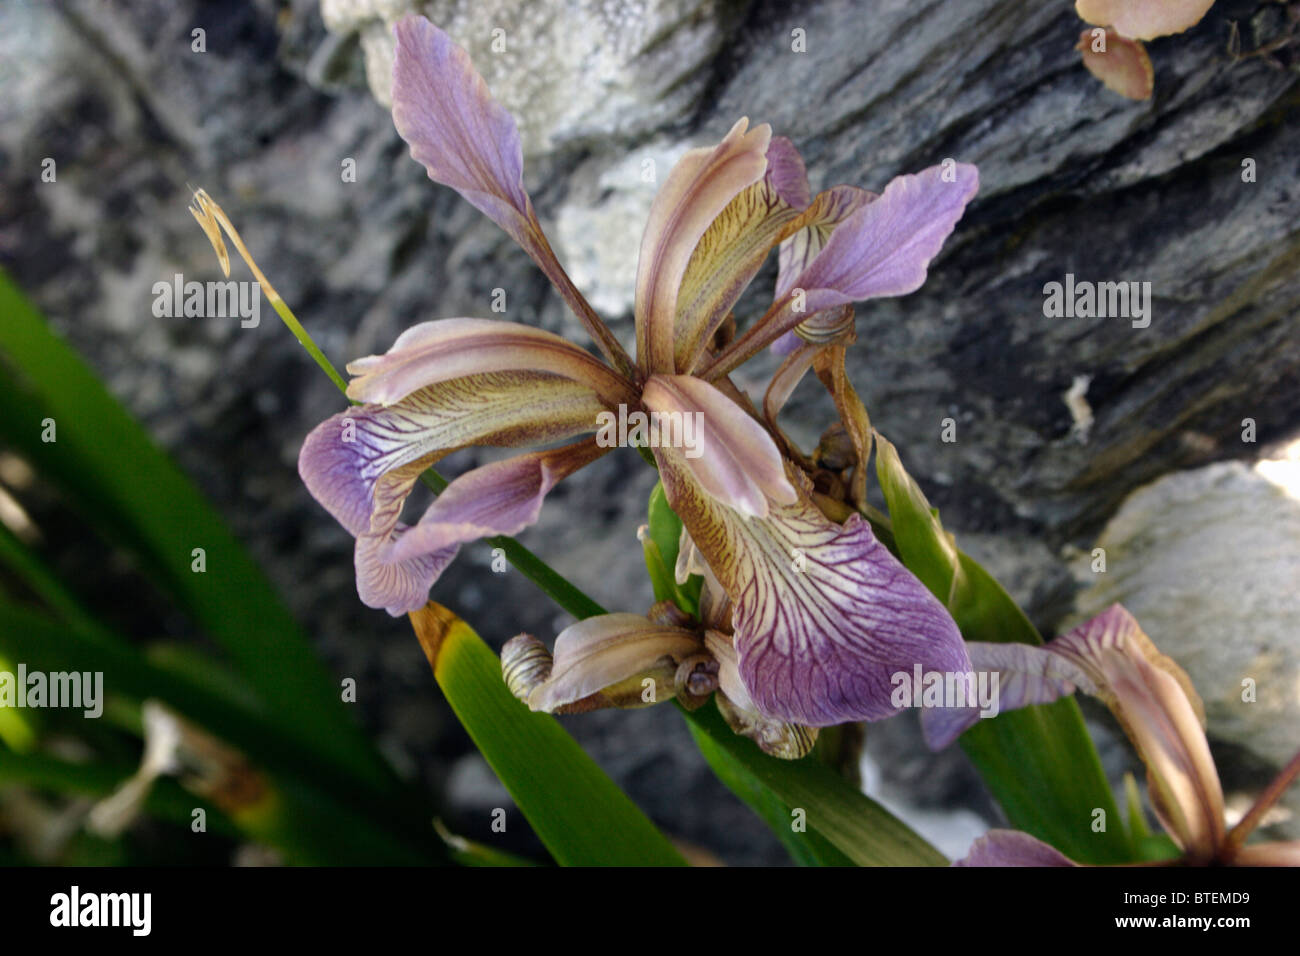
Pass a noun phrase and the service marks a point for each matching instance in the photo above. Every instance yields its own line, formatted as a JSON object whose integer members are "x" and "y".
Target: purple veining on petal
{"x": 885, "y": 247}
{"x": 824, "y": 614}
{"x": 1027, "y": 675}
{"x": 396, "y": 565}
{"x": 736, "y": 460}
{"x": 344, "y": 456}
{"x": 443, "y": 349}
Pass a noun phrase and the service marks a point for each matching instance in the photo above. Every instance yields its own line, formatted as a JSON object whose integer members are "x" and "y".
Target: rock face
{"x": 1208, "y": 561}
{"x": 271, "y": 114}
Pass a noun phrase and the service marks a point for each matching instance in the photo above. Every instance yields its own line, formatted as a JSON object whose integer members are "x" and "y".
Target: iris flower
{"x": 821, "y": 613}
{"x": 1111, "y": 658}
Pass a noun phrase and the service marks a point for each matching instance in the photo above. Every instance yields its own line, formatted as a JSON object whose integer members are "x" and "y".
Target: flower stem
{"x": 1236, "y": 838}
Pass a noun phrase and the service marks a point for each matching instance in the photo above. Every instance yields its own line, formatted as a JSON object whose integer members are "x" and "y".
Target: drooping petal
{"x": 1012, "y": 848}
{"x": 346, "y": 456}
{"x": 776, "y": 737}
{"x": 698, "y": 189}
{"x": 824, "y": 615}
{"x": 733, "y": 249}
{"x": 444, "y": 349}
{"x": 1154, "y": 700}
{"x": 735, "y": 460}
{"x": 723, "y": 649}
{"x": 469, "y": 141}
{"x": 396, "y": 565}
{"x": 1144, "y": 19}
{"x": 600, "y": 654}
{"x": 1120, "y": 63}
{"x": 1027, "y": 675}
{"x": 1111, "y": 658}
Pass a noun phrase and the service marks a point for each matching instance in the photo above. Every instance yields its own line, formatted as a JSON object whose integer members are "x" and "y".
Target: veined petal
{"x": 469, "y": 141}
{"x": 882, "y": 248}
{"x": 1012, "y": 848}
{"x": 1154, "y": 700}
{"x": 1027, "y": 674}
{"x": 698, "y": 189}
{"x": 444, "y": 349}
{"x": 734, "y": 247}
{"x": 736, "y": 460}
{"x": 723, "y": 649}
{"x": 823, "y": 614}
{"x": 1144, "y": 19}
{"x": 1151, "y": 696}
{"x": 605, "y": 651}
{"x": 830, "y": 208}
{"x": 1123, "y": 65}
{"x": 345, "y": 457}
{"x": 396, "y": 565}
{"x": 827, "y": 211}
{"x": 456, "y": 130}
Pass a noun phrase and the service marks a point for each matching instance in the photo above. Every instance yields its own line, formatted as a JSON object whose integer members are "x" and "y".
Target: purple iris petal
{"x": 824, "y": 614}
{"x": 1013, "y": 848}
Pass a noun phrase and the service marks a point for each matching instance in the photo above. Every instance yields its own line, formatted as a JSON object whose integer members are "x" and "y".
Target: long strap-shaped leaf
{"x": 839, "y": 825}
{"x": 1039, "y": 761}
{"x": 579, "y": 814}
{"x": 124, "y": 484}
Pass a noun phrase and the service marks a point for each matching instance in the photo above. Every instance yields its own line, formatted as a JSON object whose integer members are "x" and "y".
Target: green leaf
{"x": 844, "y": 826}
{"x": 578, "y": 813}
{"x": 661, "y": 546}
{"x": 1039, "y": 762}
{"x": 320, "y": 813}
{"x": 125, "y": 486}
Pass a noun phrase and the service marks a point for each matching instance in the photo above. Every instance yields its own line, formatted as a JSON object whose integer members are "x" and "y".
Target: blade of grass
{"x": 123, "y": 483}
{"x": 326, "y": 809}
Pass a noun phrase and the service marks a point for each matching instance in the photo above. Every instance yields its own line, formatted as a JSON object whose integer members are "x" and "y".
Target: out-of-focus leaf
{"x": 318, "y": 815}
{"x": 579, "y": 814}
{"x": 1039, "y": 762}
{"x": 844, "y": 825}
{"x": 123, "y": 484}
{"x": 167, "y": 800}
{"x": 16, "y": 731}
